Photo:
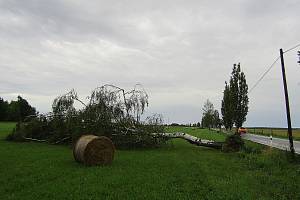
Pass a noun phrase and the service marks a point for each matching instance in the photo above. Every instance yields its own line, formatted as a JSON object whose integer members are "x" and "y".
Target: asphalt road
{"x": 274, "y": 142}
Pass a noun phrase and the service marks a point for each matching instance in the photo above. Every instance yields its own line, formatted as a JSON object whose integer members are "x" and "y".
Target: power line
{"x": 298, "y": 45}
{"x": 264, "y": 74}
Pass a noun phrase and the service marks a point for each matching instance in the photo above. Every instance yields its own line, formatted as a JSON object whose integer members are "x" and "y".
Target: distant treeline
{"x": 15, "y": 110}
{"x": 185, "y": 125}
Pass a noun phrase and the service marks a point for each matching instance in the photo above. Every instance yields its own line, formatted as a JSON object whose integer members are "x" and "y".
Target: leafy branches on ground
{"x": 110, "y": 111}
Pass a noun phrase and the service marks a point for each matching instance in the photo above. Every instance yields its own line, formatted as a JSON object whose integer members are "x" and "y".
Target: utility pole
{"x": 287, "y": 105}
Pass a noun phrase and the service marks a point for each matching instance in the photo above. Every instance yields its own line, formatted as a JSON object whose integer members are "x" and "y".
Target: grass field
{"x": 178, "y": 170}
{"x": 275, "y": 132}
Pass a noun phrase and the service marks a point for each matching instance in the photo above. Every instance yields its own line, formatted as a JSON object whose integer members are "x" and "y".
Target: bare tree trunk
{"x": 35, "y": 140}
{"x": 191, "y": 139}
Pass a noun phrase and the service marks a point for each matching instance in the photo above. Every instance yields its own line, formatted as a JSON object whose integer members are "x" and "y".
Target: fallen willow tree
{"x": 110, "y": 111}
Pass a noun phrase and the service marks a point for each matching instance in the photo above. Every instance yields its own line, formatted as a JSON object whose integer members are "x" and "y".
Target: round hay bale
{"x": 94, "y": 150}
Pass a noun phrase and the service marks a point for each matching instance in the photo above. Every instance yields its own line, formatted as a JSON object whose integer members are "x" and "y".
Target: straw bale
{"x": 94, "y": 150}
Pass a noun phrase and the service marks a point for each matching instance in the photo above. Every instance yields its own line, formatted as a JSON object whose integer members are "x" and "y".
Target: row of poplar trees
{"x": 235, "y": 101}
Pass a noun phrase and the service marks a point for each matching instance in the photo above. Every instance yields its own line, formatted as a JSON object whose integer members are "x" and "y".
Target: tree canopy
{"x": 210, "y": 116}
{"x": 15, "y": 110}
{"x": 235, "y": 101}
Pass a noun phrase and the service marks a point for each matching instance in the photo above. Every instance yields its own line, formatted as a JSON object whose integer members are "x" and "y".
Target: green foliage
{"x": 210, "y": 116}
{"x": 16, "y": 135}
{"x": 15, "y": 110}
{"x": 3, "y": 110}
{"x": 233, "y": 143}
{"x": 63, "y": 105}
{"x": 235, "y": 99}
{"x": 24, "y": 108}
{"x": 110, "y": 112}
{"x": 37, "y": 127}
{"x": 227, "y": 108}
{"x": 242, "y": 99}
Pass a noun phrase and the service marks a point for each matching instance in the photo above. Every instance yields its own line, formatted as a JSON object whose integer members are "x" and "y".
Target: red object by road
{"x": 242, "y": 130}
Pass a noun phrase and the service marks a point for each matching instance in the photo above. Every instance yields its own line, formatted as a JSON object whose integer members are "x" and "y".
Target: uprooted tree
{"x": 110, "y": 111}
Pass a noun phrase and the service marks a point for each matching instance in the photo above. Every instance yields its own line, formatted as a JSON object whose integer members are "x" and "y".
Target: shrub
{"x": 233, "y": 143}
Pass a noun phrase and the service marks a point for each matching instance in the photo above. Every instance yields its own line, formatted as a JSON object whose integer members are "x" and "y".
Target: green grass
{"x": 275, "y": 132}
{"x": 178, "y": 170}
{"x": 5, "y": 128}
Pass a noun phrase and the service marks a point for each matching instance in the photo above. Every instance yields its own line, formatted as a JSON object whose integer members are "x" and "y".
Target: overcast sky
{"x": 181, "y": 51}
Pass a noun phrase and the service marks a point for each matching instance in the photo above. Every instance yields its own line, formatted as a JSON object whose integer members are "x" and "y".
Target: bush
{"x": 233, "y": 143}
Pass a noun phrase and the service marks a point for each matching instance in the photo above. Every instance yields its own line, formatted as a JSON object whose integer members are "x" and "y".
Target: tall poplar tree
{"x": 235, "y": 99}
{"x": 226, "y": 108}
{"x": 243, "y": 101}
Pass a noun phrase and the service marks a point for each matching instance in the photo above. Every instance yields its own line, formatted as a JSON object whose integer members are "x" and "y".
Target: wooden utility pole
{"x": 287, "y": 105}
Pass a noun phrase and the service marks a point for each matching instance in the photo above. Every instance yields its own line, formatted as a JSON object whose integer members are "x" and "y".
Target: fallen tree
{"x": 191, "y": 139}
{"x": 110, "y": 111}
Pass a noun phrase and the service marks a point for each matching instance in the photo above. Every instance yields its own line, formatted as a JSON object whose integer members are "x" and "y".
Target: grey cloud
{"x": 182, "y": 52}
